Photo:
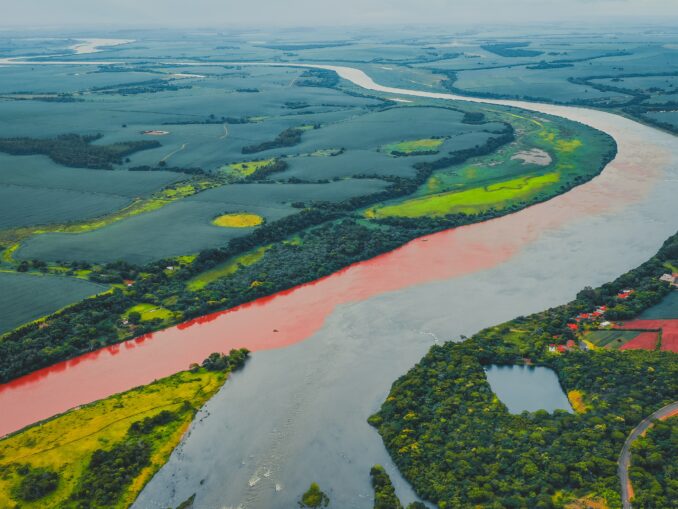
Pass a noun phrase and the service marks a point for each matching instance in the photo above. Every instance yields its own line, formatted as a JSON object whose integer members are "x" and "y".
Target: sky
{"x": 215, "y": 13}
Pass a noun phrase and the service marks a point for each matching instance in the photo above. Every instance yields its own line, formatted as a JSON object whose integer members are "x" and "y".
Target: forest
{"x": 75, "y": 150}
{"x": 654, "y": 472}
{"x": 460, "y": 447}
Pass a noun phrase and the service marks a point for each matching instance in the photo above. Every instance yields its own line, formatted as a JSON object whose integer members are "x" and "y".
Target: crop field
{"x": 547, "y": 155}
{"x": 21, "y": 206}
{"x": 664, "y": 117}
{"x": 25, "y": 297}
{"x": 618, "y": 339}
{"x": 412, "y": 147}
{"x": 64, "y": 445}
{"x": 668, "y": 327}
{"x": 36, "y": 191}
{"x": 238, "y": 220}
{"x": 185, "y": 226}
{"x": 666, "y": 309}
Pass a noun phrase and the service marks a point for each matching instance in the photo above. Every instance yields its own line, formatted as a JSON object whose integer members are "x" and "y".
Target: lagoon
{"x": 527, "y": 388}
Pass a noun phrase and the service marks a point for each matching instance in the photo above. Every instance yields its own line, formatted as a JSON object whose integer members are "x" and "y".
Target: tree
{"x": 134, "y": 317}
{"x": 37, "y": 483}
{"x": 314, "y": 497}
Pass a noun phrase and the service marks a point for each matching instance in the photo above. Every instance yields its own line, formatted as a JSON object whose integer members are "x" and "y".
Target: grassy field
{"x": 245, "y": 169}
{"x": 27, "y": 297}
{"x": 150, "y": 312}
{"x": 470, "y": 201}
{"x": 238, "y": 220}
{"x": 226, "y": 269}
{"x": 510, "y": 176}
{"x": 66, "y": 443}
{"x": 423, "y": 146}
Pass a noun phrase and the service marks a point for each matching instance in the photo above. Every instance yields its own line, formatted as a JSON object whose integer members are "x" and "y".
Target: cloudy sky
{"x": 328, "y": 12}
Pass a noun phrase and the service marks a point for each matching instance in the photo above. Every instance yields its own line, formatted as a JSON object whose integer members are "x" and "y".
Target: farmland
{"x": 235, "y": 207}
{"x": 238, "y": 220}
{"x": 27, "y": 297}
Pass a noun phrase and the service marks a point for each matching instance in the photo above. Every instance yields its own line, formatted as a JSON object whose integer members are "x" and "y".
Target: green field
{"x": 150, "y": 312}
{"x": 566, "y": 154}
{"x": 226, "y": 269}
{"x": 65, "y": 444}
{"x": 471, "y": 201}
{"x": 238, "y": 220}
{"x": 419, "y": 147}
{"x": 27, "y": 297}
{"x": 185, "y": 226}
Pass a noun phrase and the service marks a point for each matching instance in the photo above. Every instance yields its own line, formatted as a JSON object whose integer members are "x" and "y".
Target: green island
{"x": 460, "y": 446}
{"x": 102, "y": 454}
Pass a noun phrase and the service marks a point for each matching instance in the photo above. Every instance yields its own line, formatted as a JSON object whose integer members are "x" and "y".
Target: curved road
{"x": 662, "y": 414}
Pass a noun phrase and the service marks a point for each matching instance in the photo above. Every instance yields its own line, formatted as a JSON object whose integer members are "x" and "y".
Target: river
{"x": 298, "y": 414}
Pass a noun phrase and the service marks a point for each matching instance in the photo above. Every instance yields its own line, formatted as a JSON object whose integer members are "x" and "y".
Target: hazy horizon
{"x": 268, "y": 13}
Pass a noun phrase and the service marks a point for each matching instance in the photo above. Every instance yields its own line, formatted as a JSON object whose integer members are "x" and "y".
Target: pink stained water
{"x": 299, "y": 312}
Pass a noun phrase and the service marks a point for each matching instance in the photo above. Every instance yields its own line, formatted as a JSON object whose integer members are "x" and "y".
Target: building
{"x": 670, "y": 278}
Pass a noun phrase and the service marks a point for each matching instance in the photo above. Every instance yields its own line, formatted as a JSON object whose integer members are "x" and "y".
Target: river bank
{"x": 317, "y": 394}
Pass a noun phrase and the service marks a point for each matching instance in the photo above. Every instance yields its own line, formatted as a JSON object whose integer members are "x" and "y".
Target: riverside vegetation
{"x": 459, "y": 446}
{"x": 102, "y": 454}
{"x": 319, "y": 239}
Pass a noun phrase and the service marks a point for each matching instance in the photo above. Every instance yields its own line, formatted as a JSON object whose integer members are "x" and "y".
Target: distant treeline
{"x": 511, "y": 49}
{"x": 318, "y": 78}
{"x": 75, "y": 150}
{"x": 175, "y": 169}
{"x": 288, "y": 138}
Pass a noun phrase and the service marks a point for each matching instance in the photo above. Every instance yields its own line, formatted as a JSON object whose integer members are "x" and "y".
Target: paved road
{"x": 625, "y": 456}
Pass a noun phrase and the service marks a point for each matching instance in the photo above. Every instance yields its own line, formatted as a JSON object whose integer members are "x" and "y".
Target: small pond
{"x": 529, "y": 388}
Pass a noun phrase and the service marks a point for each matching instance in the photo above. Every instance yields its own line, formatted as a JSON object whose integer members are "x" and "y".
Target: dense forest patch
{"x": 460, "y": 447}
{"x": 75, "y": 150}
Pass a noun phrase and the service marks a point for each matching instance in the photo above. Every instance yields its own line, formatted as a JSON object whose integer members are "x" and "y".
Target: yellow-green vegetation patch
{"x": 226, "y": 269}
{"x": 470, "y": 201}
{"x": 185, "y": 259}
{"x": 8, "y": 253}
{"x": 245, "y": 169}
{"x": 149, "y": 312}
{"x": 64, "y": 445}
{"x": 238, "y": 220}
{"x": 413, "y": 147}
{"x": 578, "y": 401}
